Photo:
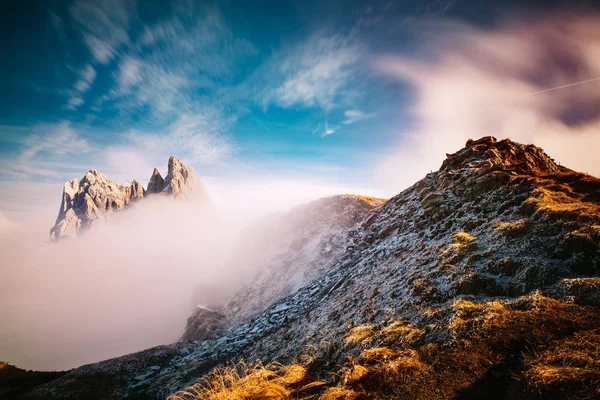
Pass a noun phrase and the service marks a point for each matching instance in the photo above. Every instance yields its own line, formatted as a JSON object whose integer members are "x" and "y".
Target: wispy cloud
{"x": 40, "y": 146}
{"x": 86, "y": 77}
{"x": 58, "y": 139}
{"x": 197, "y": 138}
{"x": 177, "y": 57}
{"x": 316, "y": 73}
{"x": 74, "y": 102}
{"x": 353, "y": 116}
{"x": 103, "y": 25}
{"x": 329, "y": 130}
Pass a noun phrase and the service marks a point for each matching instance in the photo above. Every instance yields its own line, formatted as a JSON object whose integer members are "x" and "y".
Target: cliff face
{"x": 91, "y": 198}
{"x": 480, "y": 278}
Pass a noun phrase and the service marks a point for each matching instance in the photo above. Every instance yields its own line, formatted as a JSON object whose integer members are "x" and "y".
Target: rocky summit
{"x": 480, "y": 280}
{"x": 91, "y": 198}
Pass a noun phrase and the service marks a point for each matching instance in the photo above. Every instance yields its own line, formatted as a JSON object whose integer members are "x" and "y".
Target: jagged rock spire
{"x": 156, "y": 183}
{"x": 180, "y": 181}
{"x": 87, "y": 200}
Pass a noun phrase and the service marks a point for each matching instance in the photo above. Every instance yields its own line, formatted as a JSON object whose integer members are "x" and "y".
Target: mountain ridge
{"x": 500, "y": 234}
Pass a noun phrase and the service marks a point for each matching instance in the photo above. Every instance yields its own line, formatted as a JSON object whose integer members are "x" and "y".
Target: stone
{"x": 90, "y": 199}
{"x": 180, "y": 181}
{"x": 156, "y": 183}
{"x": 203, "y": 324}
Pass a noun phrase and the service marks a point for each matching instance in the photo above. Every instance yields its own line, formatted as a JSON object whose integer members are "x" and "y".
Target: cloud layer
{"x": 473, "y": 82}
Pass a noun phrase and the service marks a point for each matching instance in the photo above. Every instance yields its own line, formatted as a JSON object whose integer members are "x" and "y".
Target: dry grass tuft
{"x": 253, "y": 382}
{"x": 515, "y": 228}
{"x": 361, "y": 334}
{"x": 561, "y": 205}
{"x": 340, "y": 393}
{"x": 463, "y": 237}
{"x": 461, "y": 241}
{"x": 536, "y": 347}
{"x": 355, "y": 374}
{"x": 573, "y": 367}
{"x": 400, "y": 333}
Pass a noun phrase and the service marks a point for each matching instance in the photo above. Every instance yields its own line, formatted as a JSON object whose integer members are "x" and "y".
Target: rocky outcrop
{"x": 180, "y": 181}
{"x": 156, "y": 183}
{"x": 204, "y": 323}
{"x": 91, "y": 198}
{"x": 506, "y": 155}
{"x": 504, "y": 222}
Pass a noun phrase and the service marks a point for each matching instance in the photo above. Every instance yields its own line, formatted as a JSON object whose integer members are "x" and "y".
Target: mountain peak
{"x": 180, "y": 181}
{"x": 86, "y": 200}
{"x": 489, "y": 154}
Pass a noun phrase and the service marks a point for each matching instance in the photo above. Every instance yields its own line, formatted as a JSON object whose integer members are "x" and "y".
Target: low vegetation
{"x": 530, "y": 347}
{"x": 514, "y": 228}
{"x": 560, "y": 202}
{"x": 372, "y": 201}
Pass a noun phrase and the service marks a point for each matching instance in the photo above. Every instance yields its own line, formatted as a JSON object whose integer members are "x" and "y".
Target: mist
{"x": 131, "y": 281}
{"x": 530, "y": 79}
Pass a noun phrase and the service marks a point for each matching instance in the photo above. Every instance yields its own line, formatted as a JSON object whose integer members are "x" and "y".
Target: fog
{"x": 531, "y": 79}
{"x": 131, "y": 281}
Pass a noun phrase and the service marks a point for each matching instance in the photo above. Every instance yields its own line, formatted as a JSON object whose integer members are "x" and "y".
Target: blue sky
{"x": 289, "y": 89}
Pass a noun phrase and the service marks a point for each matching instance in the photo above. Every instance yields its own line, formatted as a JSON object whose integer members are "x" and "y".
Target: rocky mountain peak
{"x": 156, "y": 183}
{"x": 86, "y": 200}
{"x": 180, "y": 181}
{"x": 490, "y": 154}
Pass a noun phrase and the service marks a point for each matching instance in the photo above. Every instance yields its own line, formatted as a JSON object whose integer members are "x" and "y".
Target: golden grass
{"x": 463, "y": 237}
{"x": 551, "y": 349}
{"x": 575, "y": 361}
{"x": 253, "y": 383}
{"x": 355, "y": 373}
{"x": 360, "y": 334}
{"x": 460, "y": 241}
{"x": 562, "y": 204}
{"x": 513, "y": 228}
{"x": 372, "y": 201}
{"x": 340, "y": 393}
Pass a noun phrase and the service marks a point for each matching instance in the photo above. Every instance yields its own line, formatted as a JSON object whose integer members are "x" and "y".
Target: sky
{"x": 279, "y": 91}
{"x": 274, "y": 103}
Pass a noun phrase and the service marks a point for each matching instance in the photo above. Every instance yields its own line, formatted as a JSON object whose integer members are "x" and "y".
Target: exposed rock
{"x": 204, "y": 323}
{"x": 306, "y": 240}
{"x": 156, "y": 183}
{"x": 505, "y": 155}
{"x": 90, "y": 199}
{"x": 134, "y": 192}
{"x": 67, "y": 226}
{"x": 180, "y": 182}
